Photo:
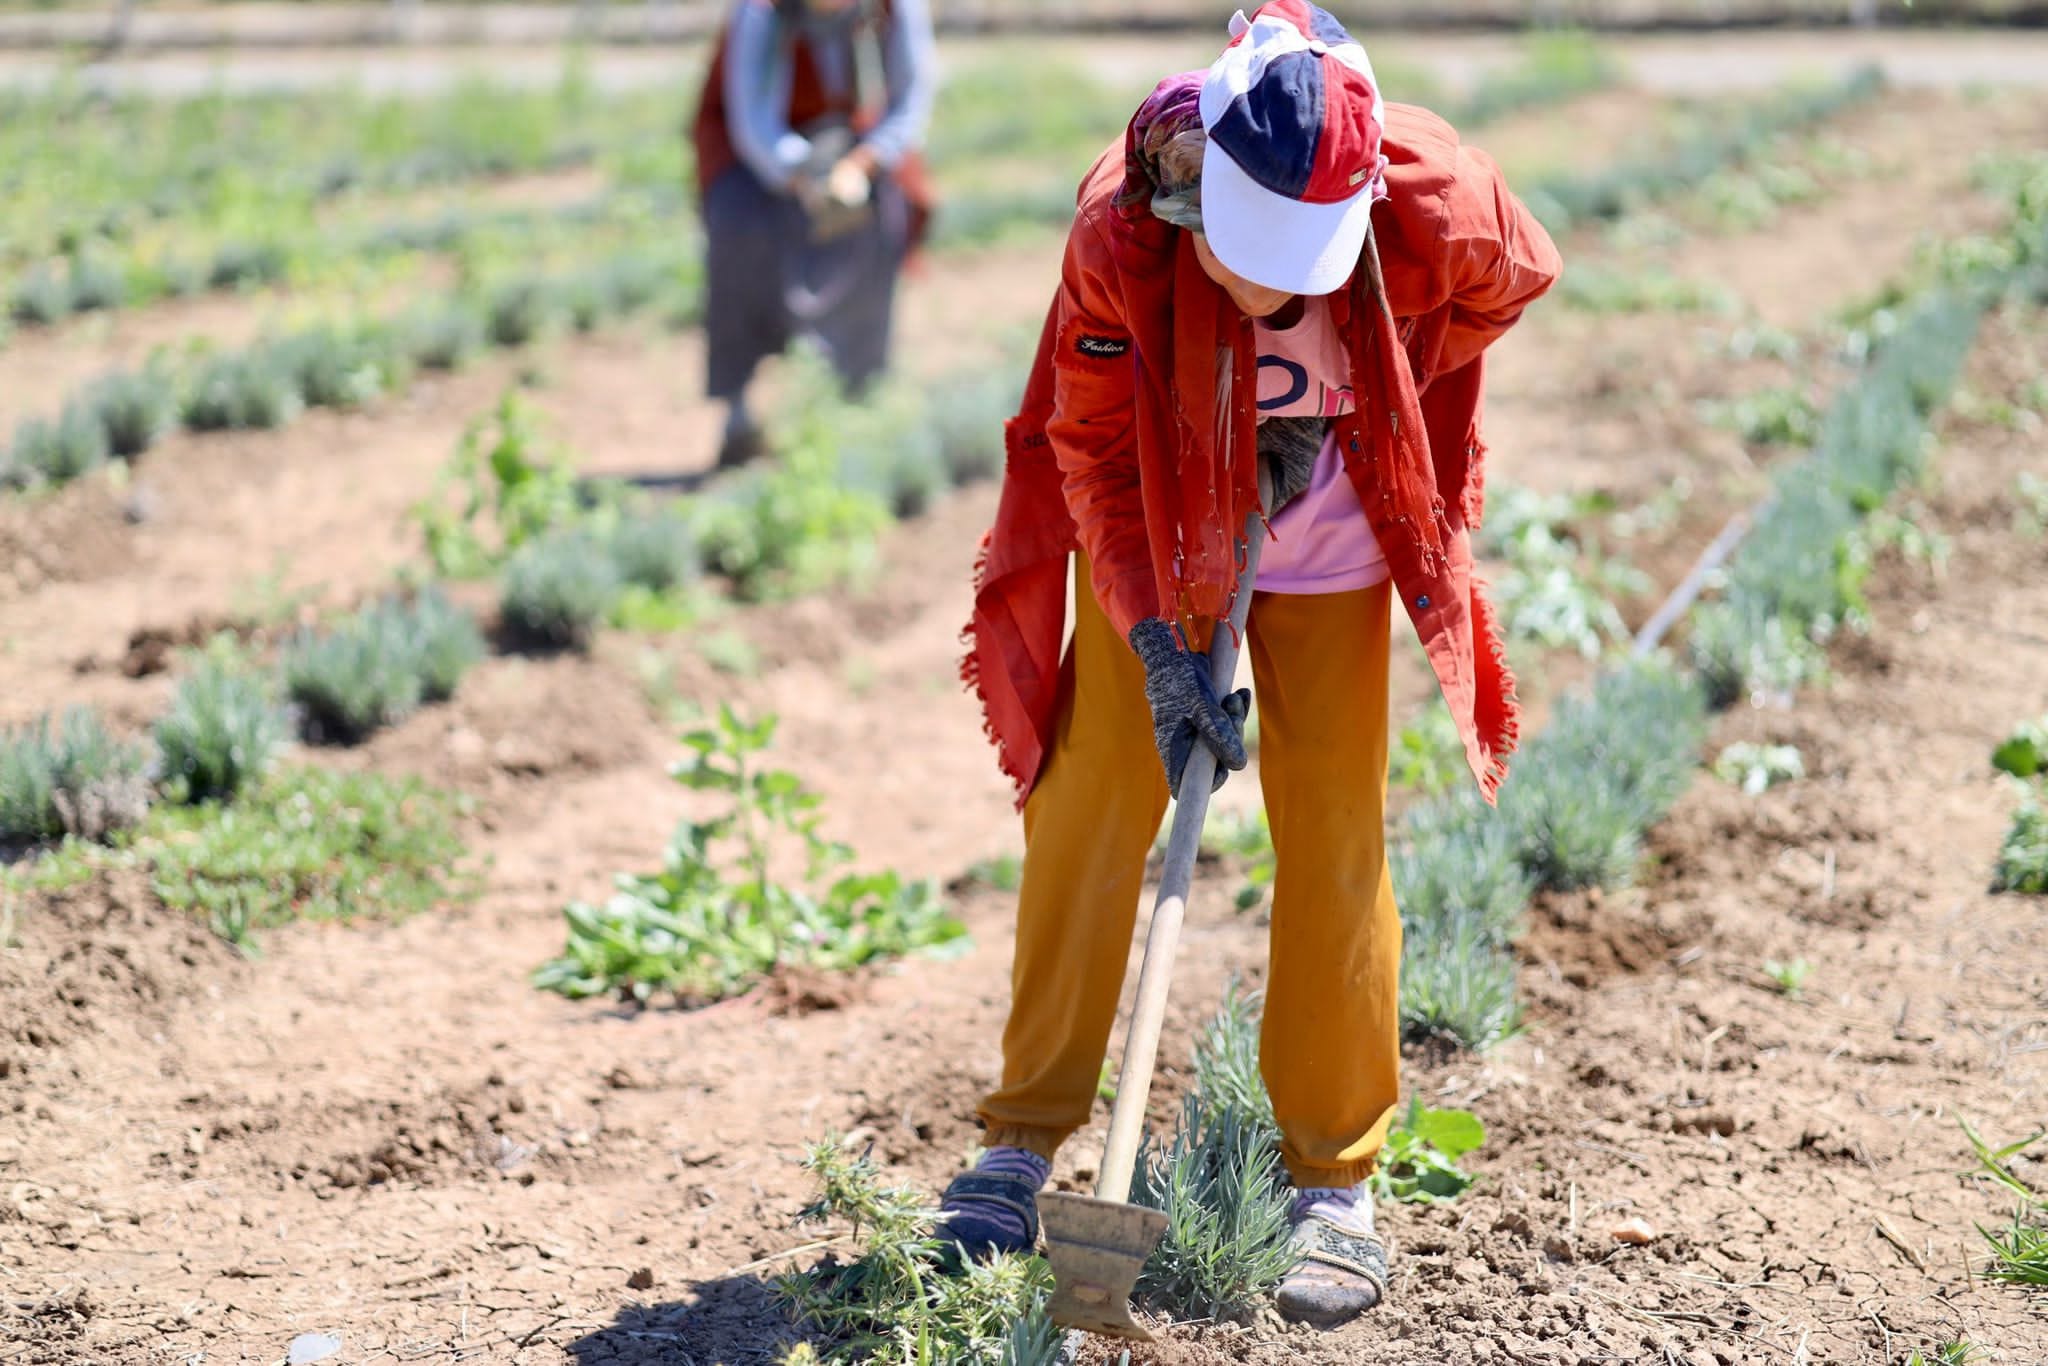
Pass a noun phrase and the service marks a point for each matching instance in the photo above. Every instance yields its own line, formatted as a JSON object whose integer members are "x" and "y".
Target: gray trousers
{"x": 767, "y": 283}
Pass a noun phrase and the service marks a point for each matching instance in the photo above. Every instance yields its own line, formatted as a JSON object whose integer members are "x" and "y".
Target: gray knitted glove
{"x": 1289, "y": 446}
{"x": 1185, "y": 706}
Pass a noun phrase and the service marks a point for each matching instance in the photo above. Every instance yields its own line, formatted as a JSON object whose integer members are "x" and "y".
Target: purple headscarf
{"x": 1163, "y": 154}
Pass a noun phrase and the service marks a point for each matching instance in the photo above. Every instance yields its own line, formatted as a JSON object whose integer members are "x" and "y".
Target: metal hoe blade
{"x": 1097, "y": 1248}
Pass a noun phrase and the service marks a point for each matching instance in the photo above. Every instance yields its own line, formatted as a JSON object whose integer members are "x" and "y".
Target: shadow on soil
{"x": 734, "y": 1321}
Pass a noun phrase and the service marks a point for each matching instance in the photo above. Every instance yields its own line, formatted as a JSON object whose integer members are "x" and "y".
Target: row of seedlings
{"x": 271, "y": 383}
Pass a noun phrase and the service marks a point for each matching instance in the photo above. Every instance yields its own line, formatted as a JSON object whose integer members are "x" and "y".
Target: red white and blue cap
{"x": 1292, "y": 163}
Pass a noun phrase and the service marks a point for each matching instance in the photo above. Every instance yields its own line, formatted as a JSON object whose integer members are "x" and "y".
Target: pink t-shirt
{"x": 1321, "y": 542}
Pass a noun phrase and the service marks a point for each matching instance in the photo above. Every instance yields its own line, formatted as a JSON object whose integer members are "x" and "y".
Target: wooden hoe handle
{"x": 1148, "y": 1014}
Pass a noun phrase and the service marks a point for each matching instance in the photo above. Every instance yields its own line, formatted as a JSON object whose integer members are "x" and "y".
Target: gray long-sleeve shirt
{"x": 759, "y": 71}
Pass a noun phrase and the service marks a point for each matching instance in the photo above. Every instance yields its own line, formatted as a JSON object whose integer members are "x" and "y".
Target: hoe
{"x": 1098, "y": 1245}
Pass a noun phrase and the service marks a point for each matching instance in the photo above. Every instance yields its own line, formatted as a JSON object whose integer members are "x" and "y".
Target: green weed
{"x": 1003, "y": 873}
{"x": 1769, "y": 417}
{"x": 897, "y": 1298}
{"x": 1757, "y": 769}
{"x": 1954, "y": 1353}
{"x": 2023, "y": 753}
{"x": 2019, "y": 1250}
{"x": 223, "y": 728}
{"x": 507, "y": 485}
{"x": 1428, "y": 754}
{"x": 1419, "y": 1165}
{"x": 1789, "y": 975}
{"x": 712, "y": 922}
{"x": 2023, "y": 856}
{"x": 1559, "y": 586}
{"x": 310, "y": 844}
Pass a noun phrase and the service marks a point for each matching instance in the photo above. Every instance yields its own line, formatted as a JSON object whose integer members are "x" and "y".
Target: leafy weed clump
{"x": 73, "y": 777}
{"x": 1757, "y": 769}
{"x": 506, "y": 485}
{"x": 310, "y": 844}
{"x": 897, "y": 1298}
{"x": 812, "y": 518}
{"x": 2019, "y": 1250}
{"x": 556, "y": 592}
{"x": 2023, "y": 857}
{"x": 2024, "y": 753}
{"x": 1559, "y": 586}
{"x": 223, "y": 729}
{"x": 711, "y": 924}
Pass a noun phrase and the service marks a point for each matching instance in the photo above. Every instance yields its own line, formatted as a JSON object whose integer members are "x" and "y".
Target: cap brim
{"x": 1275, "y": 241}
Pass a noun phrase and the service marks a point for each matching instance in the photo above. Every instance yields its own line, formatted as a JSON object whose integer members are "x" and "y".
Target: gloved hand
{"x": 1289, "y": 446}
{"x": 1185, "y": 707}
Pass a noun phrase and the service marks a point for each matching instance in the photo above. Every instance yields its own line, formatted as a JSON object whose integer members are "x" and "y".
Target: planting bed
{"x": 385, "y": 1132}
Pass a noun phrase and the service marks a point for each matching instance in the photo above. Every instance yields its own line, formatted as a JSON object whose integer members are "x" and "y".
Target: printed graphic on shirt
{"x": 1321, "y": 542}
{"x": 1302, "y": 368}
{"x": 1108, "y": 347}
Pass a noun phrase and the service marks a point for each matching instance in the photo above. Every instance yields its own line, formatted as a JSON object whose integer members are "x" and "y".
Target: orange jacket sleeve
{"x": 1494, "y": 256}
{"x": 1093, "y": 430}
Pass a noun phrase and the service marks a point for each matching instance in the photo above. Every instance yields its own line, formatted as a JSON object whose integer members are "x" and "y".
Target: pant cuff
{"x": 1044, "y": 1142}
{"x": 1347, "y": 1174}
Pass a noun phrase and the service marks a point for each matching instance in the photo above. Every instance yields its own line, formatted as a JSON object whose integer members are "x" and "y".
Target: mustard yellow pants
{"x": 1330, "y": 1044}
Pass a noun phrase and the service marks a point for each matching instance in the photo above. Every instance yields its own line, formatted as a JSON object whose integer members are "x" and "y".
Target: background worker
{"x": 813, "y": 191}
{"x": 1274, "y": 267}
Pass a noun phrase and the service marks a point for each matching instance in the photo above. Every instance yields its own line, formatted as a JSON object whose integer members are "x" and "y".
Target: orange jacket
{"x": 1136, "y": 437}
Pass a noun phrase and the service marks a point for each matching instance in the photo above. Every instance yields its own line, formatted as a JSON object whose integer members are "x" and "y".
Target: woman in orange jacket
{"x": 1274, "y": 267}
